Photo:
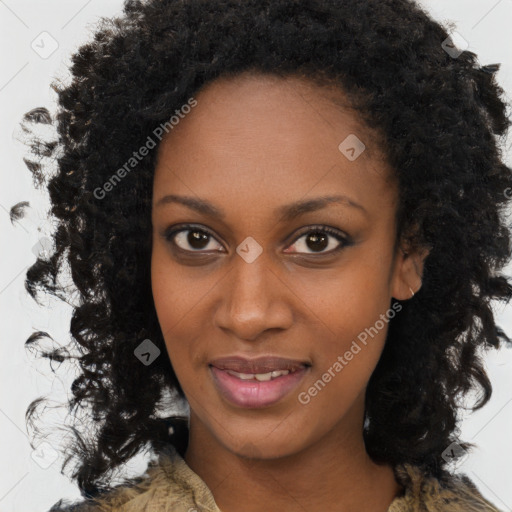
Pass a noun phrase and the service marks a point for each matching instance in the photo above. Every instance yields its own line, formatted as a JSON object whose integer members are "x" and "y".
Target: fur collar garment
{"x": 170, "y": 485}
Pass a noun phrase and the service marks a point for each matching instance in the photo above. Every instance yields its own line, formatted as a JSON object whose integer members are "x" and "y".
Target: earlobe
{"x": 408, "y": 273}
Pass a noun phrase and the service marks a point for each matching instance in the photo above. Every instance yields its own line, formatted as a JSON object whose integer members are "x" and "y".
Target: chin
{"x": 265, "y": 448}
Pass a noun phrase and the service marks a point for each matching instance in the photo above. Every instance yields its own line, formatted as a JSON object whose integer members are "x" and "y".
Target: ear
{"x": 408, "y": 271}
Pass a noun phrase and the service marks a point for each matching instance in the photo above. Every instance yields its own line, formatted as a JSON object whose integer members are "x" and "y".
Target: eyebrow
{"x": 286, "y": 213}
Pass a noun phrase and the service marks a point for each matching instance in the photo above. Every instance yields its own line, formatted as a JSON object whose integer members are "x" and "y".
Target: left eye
{"x": 317, "y": 239}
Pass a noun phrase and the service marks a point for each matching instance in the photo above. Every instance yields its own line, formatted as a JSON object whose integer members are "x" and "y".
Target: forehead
{"x": 282, "y": 137}
{"x": 252, "y": 100}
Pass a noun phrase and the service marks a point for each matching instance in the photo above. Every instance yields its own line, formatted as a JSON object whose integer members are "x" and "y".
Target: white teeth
{"x": 259, "y": 376}
{"x": 263, "y": 376}
{"x": 244, "y": 376}
{"x": 278, "y": 373}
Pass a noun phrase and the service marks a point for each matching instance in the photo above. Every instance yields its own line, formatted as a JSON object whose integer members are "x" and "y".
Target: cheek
{"x": 351, "y": 313}
{"x": 180, "y": 299}
{"x": 177, "y": 294}
{"x": 165, "y": 284}
{"x": 345, "y": 302}
{"x": 172, "y": 301}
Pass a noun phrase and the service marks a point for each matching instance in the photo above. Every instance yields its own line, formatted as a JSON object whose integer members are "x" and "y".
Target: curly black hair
{"x": 441, "y": 119}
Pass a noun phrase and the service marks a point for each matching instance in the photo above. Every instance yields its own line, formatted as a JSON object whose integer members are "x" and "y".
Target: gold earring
{"x": 411, "y": 292}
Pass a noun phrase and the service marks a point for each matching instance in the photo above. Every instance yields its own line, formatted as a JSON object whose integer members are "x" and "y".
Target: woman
{"x": 289, "y": 214}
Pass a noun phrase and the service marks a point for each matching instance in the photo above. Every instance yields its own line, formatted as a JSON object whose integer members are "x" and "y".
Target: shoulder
{"x": 168, "y": 485}
{"x": 424, "y": 492}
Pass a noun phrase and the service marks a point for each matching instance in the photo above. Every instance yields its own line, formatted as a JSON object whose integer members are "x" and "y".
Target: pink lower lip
{"x": 252, "y": 394}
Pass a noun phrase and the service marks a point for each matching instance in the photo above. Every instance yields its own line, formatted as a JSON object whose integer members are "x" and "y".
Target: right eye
{"x": 187, "y": 237}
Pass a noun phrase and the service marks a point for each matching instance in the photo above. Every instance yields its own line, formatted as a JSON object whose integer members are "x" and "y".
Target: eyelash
{"x": 344, "y": 240}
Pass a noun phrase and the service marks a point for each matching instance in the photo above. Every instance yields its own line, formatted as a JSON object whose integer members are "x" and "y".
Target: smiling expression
{"x": 256, "y": 166}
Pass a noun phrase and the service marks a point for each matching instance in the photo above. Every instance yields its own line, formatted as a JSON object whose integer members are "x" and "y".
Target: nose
{"x": 255, "y": 299}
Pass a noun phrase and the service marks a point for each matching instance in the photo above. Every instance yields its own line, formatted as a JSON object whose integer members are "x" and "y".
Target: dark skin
{"x": 251, "y": 145}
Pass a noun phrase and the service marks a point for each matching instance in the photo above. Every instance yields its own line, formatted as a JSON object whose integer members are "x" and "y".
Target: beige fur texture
{"x": 170, "y": 485}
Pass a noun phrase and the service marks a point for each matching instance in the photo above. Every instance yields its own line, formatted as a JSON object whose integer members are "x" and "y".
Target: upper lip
{"x": 263, "y": 364}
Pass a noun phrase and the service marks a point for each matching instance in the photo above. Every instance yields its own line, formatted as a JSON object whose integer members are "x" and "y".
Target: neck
{"x": 335, "y": 473}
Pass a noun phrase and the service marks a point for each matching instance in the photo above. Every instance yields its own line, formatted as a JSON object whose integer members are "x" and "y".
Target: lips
{"x": 257, "y": 383}
{"x": 260, "y": 365}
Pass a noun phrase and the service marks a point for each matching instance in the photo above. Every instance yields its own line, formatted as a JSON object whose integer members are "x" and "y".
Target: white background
{"x": 24, "y": 84}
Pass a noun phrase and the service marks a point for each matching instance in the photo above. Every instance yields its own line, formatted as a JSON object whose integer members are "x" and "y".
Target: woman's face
{"x": 257, "y": 275}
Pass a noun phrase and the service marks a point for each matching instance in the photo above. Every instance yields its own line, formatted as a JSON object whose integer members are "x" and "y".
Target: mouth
{"x": 258, "y": 366}
{"x": 256, "y": 383}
